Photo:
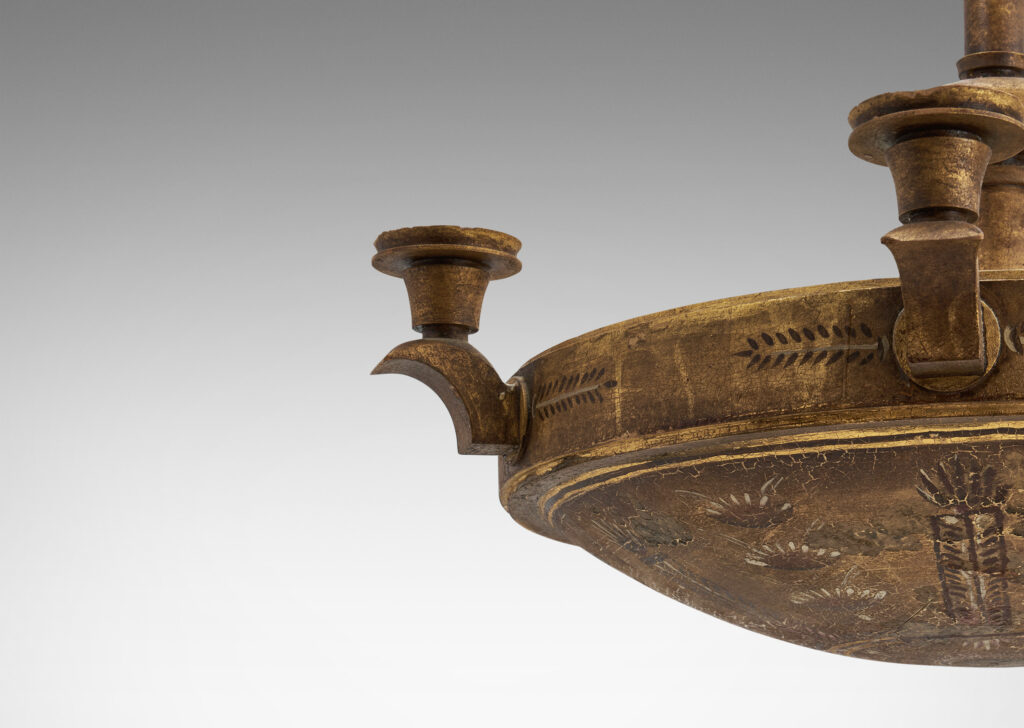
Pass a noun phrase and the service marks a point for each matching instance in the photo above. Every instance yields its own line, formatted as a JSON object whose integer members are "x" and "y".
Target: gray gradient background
{"x": 211, "y": 516}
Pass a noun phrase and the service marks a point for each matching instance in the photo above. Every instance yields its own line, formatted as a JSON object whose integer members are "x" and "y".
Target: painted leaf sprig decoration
{"x": 817, "y": 345}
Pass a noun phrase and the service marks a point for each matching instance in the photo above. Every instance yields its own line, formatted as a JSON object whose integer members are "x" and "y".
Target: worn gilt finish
{"x": 839, "y": 466}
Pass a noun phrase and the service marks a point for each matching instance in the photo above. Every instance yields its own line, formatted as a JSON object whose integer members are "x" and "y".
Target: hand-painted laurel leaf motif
{"x": 566, "y": 392}
{"x": 855, "y": 345}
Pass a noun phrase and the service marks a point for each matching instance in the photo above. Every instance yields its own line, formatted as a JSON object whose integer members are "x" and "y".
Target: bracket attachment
{"x": 446, "y": 270}
{"x": 937, "y": 144}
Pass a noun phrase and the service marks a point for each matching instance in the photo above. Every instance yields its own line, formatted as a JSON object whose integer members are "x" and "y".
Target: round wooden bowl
{"x": 764, "y": 459}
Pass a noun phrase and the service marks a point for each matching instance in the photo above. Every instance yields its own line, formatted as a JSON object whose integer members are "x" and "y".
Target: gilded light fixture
{"x": 840, "y": 466}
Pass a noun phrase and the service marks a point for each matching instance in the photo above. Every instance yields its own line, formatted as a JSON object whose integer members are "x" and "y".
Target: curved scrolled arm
{"x": 446, "y": 271}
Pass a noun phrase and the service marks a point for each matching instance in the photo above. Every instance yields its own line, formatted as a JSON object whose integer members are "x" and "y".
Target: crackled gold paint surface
{"x": 913, "y": 554}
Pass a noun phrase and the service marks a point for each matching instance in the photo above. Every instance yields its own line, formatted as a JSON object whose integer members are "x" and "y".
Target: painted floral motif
{"x": 758, "y": 510}
{"x": 842, "y": 598}
{"x": 791, "y": 557}
{"x": 646, "y": 536}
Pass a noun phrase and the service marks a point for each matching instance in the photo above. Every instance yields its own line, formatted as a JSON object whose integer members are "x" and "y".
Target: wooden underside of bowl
{"x": 764, "y": 459}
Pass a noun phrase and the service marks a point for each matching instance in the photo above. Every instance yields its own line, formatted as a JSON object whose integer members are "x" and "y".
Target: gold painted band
{"x": 788, "y": 435}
